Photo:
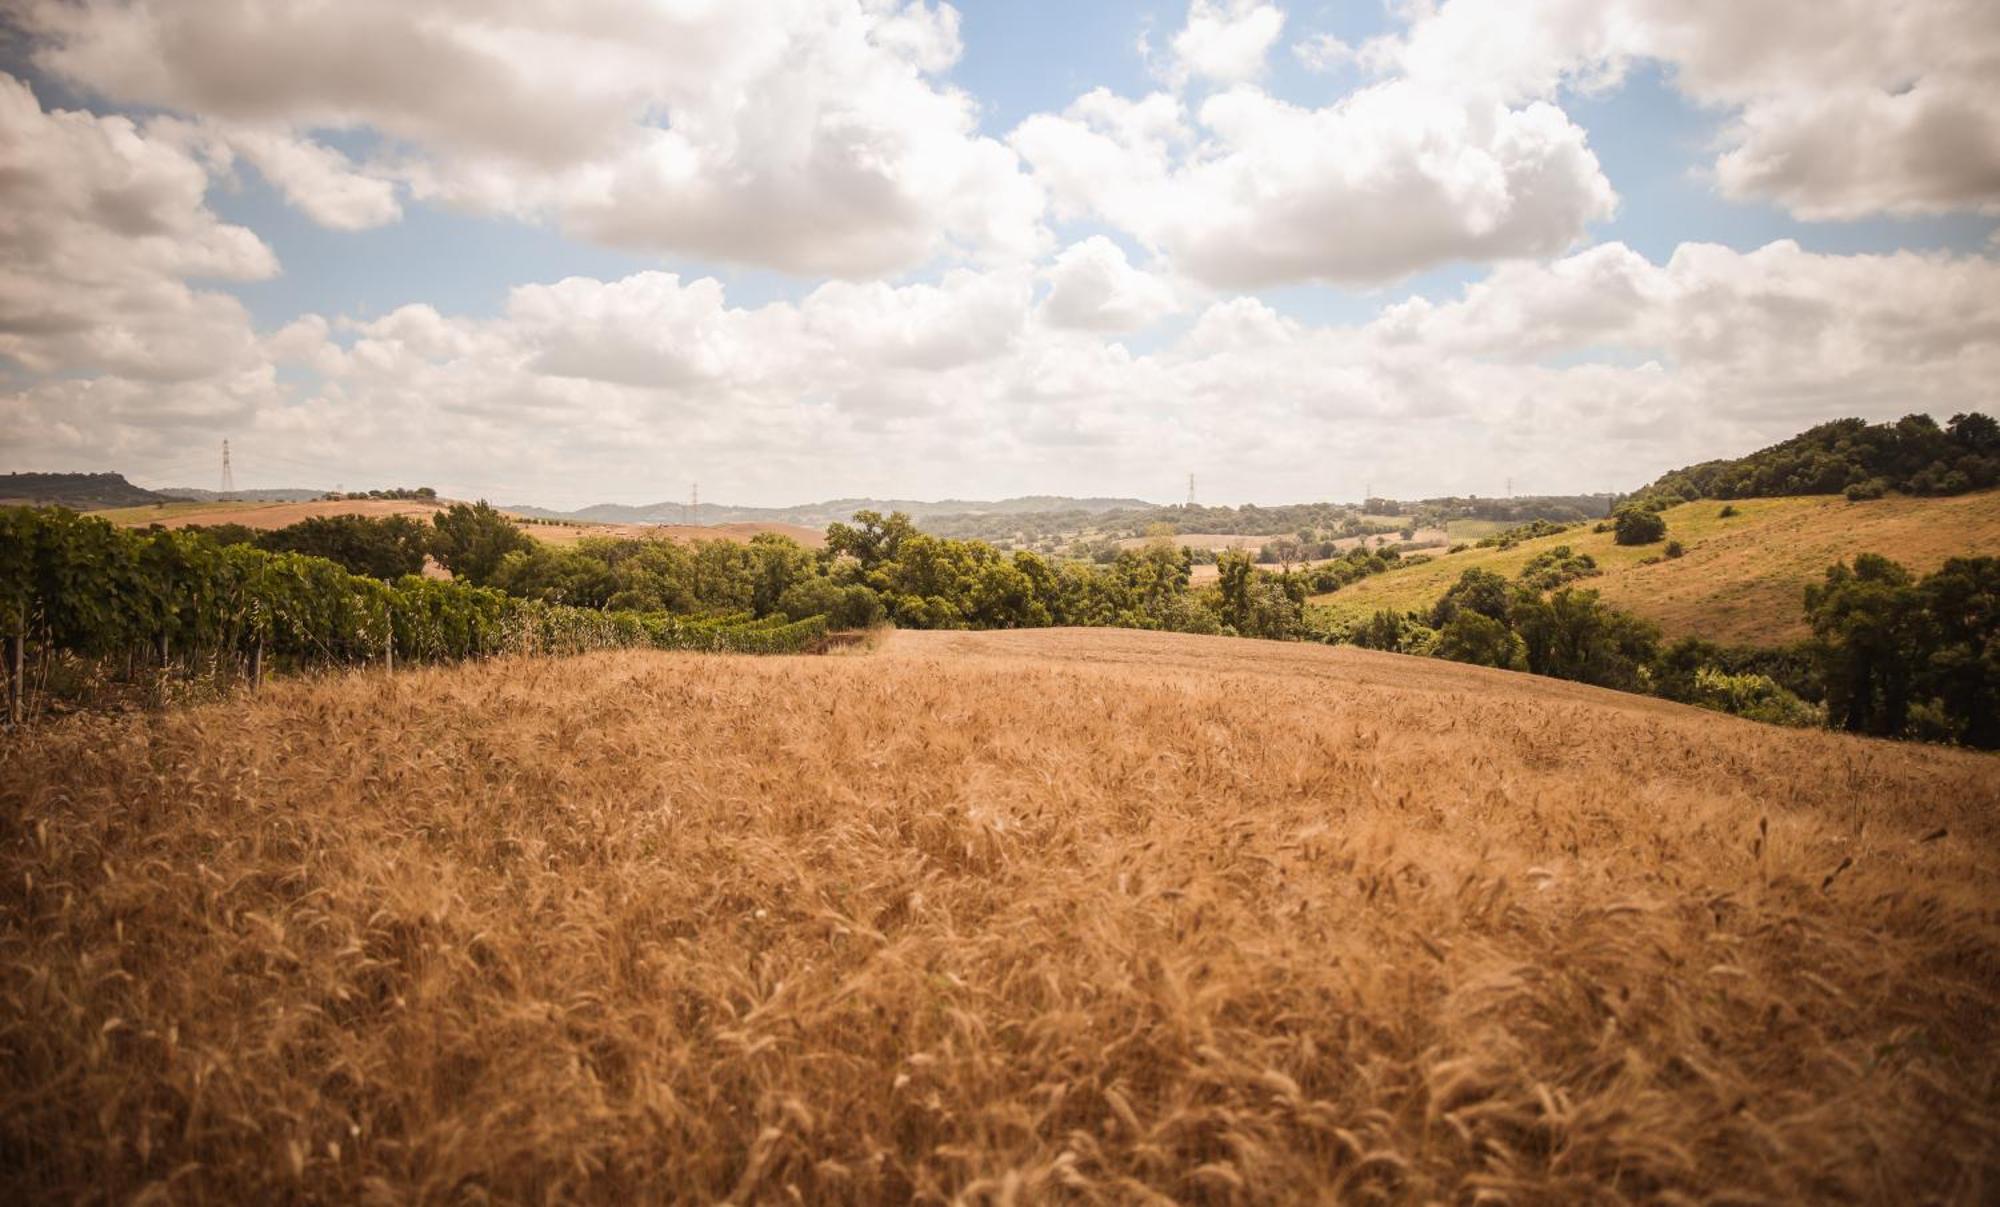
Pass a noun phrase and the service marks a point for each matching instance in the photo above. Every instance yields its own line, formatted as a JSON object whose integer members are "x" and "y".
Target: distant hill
{"x": 833, "y": 511}
{"x": 83, "y": 492}
{"x": 279, "y": 495}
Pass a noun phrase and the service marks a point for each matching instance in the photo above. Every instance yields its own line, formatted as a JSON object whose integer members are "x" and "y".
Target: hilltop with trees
{"x": 1853, "y": 457}
{"x": 79, "y": 492}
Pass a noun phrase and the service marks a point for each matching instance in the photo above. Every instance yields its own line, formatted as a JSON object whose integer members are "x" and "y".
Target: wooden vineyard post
{"x": 17, "y": 669}
{"x": 257, "y": 665}
{"x": 389, "y": 648}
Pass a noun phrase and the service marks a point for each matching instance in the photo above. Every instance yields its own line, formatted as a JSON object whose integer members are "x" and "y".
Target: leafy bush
{"x": 1510, "y": 537}
{"x": 1555, "y": 567}
{"x": 852, "y": 606}
{"x": 1481, "y": 640}
{"x": 1638, "y": 526}
{"x": 1675, "y": 549}
{"x": 1754, "y": 696}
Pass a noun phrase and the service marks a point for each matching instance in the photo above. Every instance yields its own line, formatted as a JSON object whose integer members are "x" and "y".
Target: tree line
{"x": 1913, "y": 455}
{"x": 1892, "y": 654}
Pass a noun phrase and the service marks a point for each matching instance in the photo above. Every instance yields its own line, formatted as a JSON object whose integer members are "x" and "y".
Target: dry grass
{"x": 263, "y": 515}
{"x": 1743, "y": 579}
{"x": 1004, "y": 917}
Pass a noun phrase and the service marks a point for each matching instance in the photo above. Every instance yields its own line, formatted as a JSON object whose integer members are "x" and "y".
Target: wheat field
{"x": 1006, "y": 917}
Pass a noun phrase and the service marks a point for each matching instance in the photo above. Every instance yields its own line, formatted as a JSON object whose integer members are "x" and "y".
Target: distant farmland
{"x": 280, "y": 515}
{"x": 1743, "y": 578}
{"x": 262, "y": 515}
{"x": 564, "y": 533}
{"x": 1060, "y": 915}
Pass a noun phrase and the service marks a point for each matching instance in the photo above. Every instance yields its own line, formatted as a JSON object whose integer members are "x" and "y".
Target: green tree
{"x": 470, "y": 539}
{"x": 1868, "y": 636}
{"x": 1473, "y": 637}
{"x": 1234, "y": 573}
{"x": 1638, "y": 526}
{"x": 852, "y": 606}
{"x": 1572, "y": 635}
{"x": 1962, "y": 667}
{"x": 575, "y": 576}
{"x": 777, "y": 563}
{"x": 387, "y": 547}
{"x": 872, "y": 539}
{"x": 1476, "y": 590}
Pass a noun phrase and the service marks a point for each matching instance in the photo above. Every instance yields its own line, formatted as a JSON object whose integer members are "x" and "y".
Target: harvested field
{"x": 1092, "y": 915}
{"x": 264, "y": 515}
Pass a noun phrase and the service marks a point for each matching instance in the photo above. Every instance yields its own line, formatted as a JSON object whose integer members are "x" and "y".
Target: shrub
{"x": 1482, "y": 641}
{"x": 1553, "y": 568}
{"x": 1860, "y": 492}
{"x": 1675, "y": 549}
{"x": 1757, "y": 697}
{"x": 1728, "y": 511}
{"x": 850, "y": 607}
{"x": 1508, "y": 538}
{"x": 1637, "y": 526}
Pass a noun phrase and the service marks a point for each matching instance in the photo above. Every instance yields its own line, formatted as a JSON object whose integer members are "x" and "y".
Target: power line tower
{"x": 694, "y": 502}
{"x": 228, "y": 475}
{"x": 1510, "y": 488}
{"x": 1190, "y": 505}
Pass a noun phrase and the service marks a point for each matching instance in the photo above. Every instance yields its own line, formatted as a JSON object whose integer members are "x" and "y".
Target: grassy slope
{"x": 1742, "y": 579}
{"x": 1021, "y": 916}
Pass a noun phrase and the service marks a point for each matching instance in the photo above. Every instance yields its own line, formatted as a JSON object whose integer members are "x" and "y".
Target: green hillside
{"x": 1742, "y": 578}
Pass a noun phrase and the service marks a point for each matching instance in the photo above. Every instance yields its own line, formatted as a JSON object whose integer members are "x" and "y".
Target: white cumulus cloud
{"x": 1393, "y": 179}
{"x": 812, "y": 136}
{"x": 1226, "y": 41}
{"x": 1093, "y": 287}
{"x": 1834, "y": 109}
{"x": 104, "y": 224}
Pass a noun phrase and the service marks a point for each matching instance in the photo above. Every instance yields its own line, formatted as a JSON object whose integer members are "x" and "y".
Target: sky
{"x": 603, "y": 250}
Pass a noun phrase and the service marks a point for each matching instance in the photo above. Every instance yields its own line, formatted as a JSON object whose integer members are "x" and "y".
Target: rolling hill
{"x": 1743, "y": 578}
{"x": 79, "y": 492}
{"x": 1077, "y": 915}
{"x": 561, "y": 532}
{"x": 281, "y": 494}
{"x": 832, "y": 511}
